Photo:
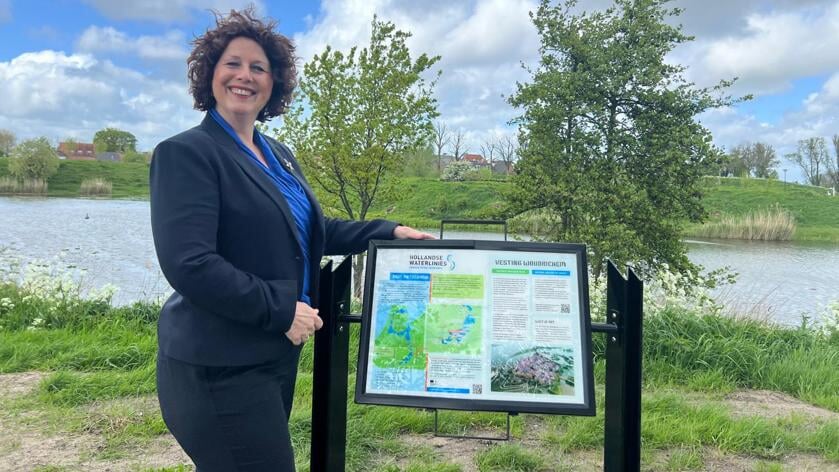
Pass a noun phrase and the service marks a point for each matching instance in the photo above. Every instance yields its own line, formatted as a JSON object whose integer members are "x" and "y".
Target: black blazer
{"x": 227, "y": 243}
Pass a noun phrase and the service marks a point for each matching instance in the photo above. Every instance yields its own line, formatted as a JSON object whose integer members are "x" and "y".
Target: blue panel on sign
{"x": 410, "y": 277}
{"x": 564, "y": 273}
{"x": 447, "y": 390}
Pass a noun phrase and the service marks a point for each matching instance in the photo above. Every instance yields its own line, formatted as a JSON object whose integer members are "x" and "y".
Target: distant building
{"x": 76, "y": 151}
{"x": 445, "y": 160}
{"x": 109, "y": 156}
{"x": 476, "y": 160}
{"x": 501, "y": 167}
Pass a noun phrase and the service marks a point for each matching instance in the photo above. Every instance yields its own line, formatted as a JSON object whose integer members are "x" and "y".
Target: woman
{"x": 239, "y": 236}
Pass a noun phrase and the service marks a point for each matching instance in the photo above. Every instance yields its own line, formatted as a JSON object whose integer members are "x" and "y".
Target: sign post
{"x": 623, "y": 373}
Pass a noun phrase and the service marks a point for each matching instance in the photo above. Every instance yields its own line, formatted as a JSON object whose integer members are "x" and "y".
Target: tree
{"x": 440, "y": 139}
{"x": 33, "y": 159}
{"x": 508, "y": 152}
{"x": 420, "y": 163}
{"x": 458, "y": 145}
{"x": 614, "y": 154}
{"x": 7, "y": 142}
{"x": 732, "y": 164}
{"x": 752, "y": 159}
{"x": 812, "y": 158}
{"x": 832, "y": 173}
{"x": 114, "y": 140}
{"x": 356, "y": 116}
{"x": 488, "y": 149}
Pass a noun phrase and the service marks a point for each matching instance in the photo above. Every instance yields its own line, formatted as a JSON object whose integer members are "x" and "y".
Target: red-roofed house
{"x": 76, "y": 151}
{"x": 476, "y": 160}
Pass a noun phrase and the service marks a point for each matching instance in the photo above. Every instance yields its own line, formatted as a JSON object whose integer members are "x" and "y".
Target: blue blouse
{"x": 289, "y": 186}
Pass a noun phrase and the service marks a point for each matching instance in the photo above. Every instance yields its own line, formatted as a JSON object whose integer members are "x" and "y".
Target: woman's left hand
{"x": 406, "y": 232}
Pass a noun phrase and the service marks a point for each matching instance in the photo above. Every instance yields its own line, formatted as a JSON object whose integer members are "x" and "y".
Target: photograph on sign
{"x": 477, "y": 325}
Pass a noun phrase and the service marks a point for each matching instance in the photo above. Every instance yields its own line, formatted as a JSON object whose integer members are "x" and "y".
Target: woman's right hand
{"x": 306, "y": 322}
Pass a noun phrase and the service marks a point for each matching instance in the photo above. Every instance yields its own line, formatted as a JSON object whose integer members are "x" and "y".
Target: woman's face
{"x": 242, "y": 80}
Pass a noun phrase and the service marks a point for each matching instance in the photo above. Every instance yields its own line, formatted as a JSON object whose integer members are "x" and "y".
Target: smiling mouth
{"x": 240, "y": 91}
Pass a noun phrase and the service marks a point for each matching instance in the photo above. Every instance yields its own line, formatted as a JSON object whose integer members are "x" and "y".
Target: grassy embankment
{"x": 731, "y": 202}
{"x": 96, "y": 393}
{"x": 816, "y": 214}
{"x": 128, "y": 180}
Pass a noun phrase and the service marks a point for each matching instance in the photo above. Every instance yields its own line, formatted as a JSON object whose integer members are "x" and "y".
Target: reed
{"x": 769, "y": 224}
{"x": 96, "y": 187}
{"x": 8, "y": 185}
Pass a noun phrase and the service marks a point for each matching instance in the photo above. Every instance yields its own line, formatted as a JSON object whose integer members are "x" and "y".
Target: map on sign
{"x": 476, "y": 325}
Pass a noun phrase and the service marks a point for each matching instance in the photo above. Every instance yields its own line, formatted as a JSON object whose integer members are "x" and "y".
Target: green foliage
{"x": 609, "y": 139}
{"x": 7, "y": 142}
{"x": 33, "y": 159}
{"x": 679, "y": 345}
{"x": 752, "y": 159}
{"x": 357, "y": 115}
{"x": 114, "y": 140}
{"x": 420, "y": 163}
{"x": 96, "y": 352}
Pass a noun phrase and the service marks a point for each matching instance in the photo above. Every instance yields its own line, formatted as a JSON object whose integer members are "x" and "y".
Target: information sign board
{"x": 477, "y": 325}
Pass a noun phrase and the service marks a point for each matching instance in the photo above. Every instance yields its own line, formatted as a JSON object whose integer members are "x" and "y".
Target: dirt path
{"x": 27, "y": 444}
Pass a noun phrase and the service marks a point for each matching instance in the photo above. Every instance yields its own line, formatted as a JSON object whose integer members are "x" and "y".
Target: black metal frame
{"x": 623, "y": 330}
{"x": 586, "y": 408}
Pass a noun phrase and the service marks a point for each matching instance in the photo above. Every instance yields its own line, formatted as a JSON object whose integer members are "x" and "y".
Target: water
{"x": 112, "y": 240}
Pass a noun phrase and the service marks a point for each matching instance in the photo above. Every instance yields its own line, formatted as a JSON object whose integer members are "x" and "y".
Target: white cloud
{"x": 481, "y": 44}
{"x": 165, "y": 11}
{"x": 770, "y": 50}
{"x": 58, "y": 95}
{"x": 171, "y": 46}
{"x": 816, "y": 117}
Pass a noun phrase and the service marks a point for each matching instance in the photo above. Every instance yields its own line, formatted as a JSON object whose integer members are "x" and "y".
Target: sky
{"x": 71, "y": 67}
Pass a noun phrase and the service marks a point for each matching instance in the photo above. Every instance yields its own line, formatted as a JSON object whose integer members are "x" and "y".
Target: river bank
{"x": 423, "y": 202}
{"x": 77, "y": 389}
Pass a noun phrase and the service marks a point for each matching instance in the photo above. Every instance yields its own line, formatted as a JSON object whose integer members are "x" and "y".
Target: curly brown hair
{"x": 209, "y": 47}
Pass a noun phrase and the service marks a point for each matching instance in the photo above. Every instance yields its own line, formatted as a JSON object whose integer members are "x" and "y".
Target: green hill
{"x": 129, "y": 180}
{"x": 816, "y": 213}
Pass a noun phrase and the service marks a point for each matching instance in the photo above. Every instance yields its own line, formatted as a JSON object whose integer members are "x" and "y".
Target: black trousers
{"x": 230, "y": 418}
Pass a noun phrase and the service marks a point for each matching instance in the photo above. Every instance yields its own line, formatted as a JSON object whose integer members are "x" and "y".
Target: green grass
{"x": 100, "y": 364}
{"x": 128, "y": 180}
{"x": 816, "y": 214}
{"x": 424, "y": 202}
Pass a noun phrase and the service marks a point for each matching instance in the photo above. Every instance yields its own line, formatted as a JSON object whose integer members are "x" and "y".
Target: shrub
{"x": 456, "y": 171}
{"x": 33, "y": 159}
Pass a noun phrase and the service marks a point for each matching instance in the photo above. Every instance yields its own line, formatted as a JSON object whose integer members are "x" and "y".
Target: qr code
{"x": 477, "y": 388}
{"x": 565, "y": 308}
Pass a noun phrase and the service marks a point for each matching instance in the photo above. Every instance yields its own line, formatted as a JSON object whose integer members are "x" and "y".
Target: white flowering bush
{"x": 667, "y": 290}
{"x": 830, "y": 320}
{"x": 48, "y": 294}
{"x": 456, "y": 171}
